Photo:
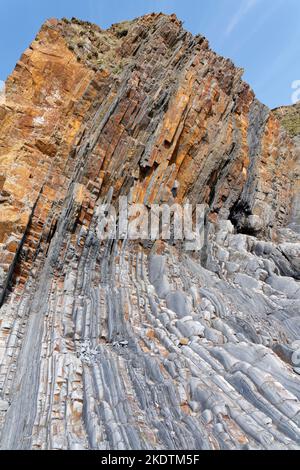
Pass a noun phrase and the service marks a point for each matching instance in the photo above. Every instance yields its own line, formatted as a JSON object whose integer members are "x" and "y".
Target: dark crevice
{"x": 146, "y": 171}
{"x": 51, "y": 235}
{"x": 238, "y": 212}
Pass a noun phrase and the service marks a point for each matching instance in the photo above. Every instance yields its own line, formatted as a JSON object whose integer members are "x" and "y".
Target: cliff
{"x": 289, "y": 116}
{"x": 126, "y": 344}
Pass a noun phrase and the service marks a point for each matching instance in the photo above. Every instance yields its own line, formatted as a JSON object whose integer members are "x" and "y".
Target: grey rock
{"x": 178, "y": 302}
{"x": 286, "y": 285}
{"x": 4, "y": 405}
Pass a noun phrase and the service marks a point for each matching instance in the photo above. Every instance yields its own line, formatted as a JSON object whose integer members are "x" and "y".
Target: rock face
{"x": 290, "y": 119}
{"x": 126, "y": 344}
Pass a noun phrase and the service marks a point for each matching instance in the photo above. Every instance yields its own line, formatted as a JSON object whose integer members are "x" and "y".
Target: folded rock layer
{"x": 133, "y": 344}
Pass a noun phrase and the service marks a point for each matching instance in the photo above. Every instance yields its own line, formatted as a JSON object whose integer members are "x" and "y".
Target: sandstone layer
{"x": 131, "y": 344}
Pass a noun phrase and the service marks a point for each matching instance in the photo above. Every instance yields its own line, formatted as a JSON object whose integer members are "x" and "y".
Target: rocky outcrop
{"x": 289, "y": 116}
{"x": 132, "y": 344}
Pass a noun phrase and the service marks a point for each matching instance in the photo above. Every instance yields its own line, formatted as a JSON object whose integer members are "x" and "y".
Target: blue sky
{"x": 262, "y": 36}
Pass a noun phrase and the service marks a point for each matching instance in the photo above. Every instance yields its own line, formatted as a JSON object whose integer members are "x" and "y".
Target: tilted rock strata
{"x": 128, "y": 345}
{"x": 161, "y": 107}
{"x": 289, "y": 116}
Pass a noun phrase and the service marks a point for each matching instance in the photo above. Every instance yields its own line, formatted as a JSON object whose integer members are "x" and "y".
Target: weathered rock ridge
{"x": 131, "y": 344}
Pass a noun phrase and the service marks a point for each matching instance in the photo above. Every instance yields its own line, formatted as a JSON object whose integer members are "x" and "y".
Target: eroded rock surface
{"x": 134, "y": 345}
